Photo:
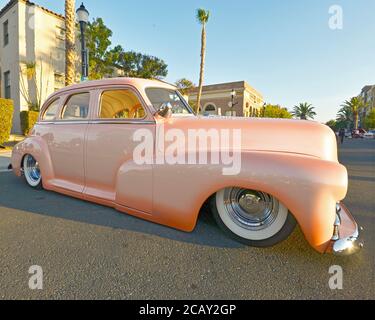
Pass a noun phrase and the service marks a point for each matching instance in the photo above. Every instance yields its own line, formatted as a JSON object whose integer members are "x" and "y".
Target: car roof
{"x": 135, "y": 82}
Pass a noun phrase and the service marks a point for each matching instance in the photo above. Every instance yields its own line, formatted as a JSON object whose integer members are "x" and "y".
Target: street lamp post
{"x": 264, "y": 110}
{"x": 232, "y": 103}
{"x": 83, "y": 19}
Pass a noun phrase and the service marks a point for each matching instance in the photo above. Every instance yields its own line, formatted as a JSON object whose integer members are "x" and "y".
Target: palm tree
{"x": 304, "y": 111}
{"x": 345, "y": 117}
{"x": 354, "y": 106}
{"x": 202, "y": 17}
{"x": 70, "y": 41}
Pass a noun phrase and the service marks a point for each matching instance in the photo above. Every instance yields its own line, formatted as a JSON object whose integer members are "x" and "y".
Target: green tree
{"x": 332, "y": 124}
{"x": 370, "y": 120}
{"x": 184, "y": 85}
{"x": 304, "y": 111}
{"x": 138, "y": 65}
{"x": 104, "y": 59}
{"x": 336, "y": 125}
{"x": 353, "y": 106}
{"x": 98, "y": 44}
{"x": 276, "y": 111}
{"x": 202, "y": 16}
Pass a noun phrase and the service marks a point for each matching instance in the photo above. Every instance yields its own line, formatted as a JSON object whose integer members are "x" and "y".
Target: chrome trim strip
{"x": 140, "y": 122}
{"x": 70, "y": 122}
{"x": 45, "y": 123}
{"x": 336, "y": 230}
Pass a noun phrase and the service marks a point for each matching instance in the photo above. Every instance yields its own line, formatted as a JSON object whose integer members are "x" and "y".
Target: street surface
{"x": 92, "y": 252}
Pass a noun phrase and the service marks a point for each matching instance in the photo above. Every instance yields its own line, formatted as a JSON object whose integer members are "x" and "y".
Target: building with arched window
{"x": 217, "y": 99}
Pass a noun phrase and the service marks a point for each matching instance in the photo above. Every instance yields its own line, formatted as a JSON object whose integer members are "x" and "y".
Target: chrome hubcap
{"x": 32, "y": 169}
{"x": 252, "y": 210}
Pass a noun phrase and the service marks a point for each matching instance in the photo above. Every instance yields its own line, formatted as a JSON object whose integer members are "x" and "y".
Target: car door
{"x": 111, "y": 172}
{"x": 67, "y": 142}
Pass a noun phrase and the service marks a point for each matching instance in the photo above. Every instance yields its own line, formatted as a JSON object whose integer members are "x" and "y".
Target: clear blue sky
{"x": 285, "y": 49}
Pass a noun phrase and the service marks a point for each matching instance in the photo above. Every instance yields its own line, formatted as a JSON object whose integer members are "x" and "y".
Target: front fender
{"x": 38, "y": 148}
{"x": 307, "y": 186}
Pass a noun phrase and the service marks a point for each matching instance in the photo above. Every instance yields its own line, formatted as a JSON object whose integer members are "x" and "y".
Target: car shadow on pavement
{"x": 15, "y": 194}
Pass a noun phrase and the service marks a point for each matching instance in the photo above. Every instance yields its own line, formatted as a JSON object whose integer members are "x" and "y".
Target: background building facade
{"x": 368, "y": 96}
{"x": 31, "y": 34}
{"x": 217, "y": 98}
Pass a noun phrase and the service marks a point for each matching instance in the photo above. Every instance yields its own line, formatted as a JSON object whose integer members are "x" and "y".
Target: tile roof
{"x": 11, "y": 3}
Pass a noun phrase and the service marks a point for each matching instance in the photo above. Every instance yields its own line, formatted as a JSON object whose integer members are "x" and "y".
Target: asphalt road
{"x": 92, "y": 252}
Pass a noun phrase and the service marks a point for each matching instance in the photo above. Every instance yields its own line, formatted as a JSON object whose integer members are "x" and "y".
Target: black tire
{"x": 285, "y": 231}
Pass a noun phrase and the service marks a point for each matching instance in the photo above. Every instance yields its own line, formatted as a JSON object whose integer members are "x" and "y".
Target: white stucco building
{"x": 216, "y": 98}
{"x": 31, "y": 34}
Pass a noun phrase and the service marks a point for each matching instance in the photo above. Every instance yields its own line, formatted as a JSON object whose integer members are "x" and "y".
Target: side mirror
{"x": 165, "y": 110}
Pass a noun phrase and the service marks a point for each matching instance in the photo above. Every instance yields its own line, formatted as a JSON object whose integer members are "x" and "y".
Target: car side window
{"x": 77, "y": 107}
{"x": 121, "y": 104}
{"x": 51, "y": 111}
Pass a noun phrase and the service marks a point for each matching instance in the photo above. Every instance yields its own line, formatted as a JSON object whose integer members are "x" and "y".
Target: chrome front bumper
{"x": 346, "y": 238}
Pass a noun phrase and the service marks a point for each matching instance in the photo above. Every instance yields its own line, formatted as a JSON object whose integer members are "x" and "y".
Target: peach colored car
{"x": 85, "y": 141}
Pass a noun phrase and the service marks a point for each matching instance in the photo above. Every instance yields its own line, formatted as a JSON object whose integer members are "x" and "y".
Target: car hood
{"x": 270, "y": 135}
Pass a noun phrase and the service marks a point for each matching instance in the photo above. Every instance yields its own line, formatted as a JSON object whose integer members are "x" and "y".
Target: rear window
{"x": 51, "y": 111}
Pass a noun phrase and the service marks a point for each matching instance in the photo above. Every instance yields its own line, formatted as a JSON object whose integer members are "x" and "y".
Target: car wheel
{"x": 32, "y": 172}
{"x": 252, "y": 217}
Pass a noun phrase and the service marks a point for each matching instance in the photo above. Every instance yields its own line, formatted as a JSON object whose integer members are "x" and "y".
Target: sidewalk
{"x": 5, "y": 154}
{"x": 4, "y": 160}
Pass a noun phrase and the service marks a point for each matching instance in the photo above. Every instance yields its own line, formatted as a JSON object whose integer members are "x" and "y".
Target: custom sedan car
{"x": 107, "y": 142}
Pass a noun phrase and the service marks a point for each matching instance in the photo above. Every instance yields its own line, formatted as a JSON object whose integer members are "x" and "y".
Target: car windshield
{"x": 161, "y": 96}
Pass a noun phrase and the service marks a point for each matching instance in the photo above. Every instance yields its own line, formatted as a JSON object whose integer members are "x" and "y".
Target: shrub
{"x": 276, "y": 111}
{"x": 28, "y": 120}
{"x": 6, "y": 117}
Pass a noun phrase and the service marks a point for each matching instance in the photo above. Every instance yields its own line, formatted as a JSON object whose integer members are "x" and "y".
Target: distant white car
{"x": 369, "y": 135}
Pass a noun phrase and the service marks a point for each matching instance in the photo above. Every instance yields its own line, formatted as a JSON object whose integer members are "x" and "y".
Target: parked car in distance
{"x": 358, "y": 134}
{"x": 86, "y": 144}
{"x": 369, "y": 135}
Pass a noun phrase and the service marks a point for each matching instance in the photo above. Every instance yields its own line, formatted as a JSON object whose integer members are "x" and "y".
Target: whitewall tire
{"x": 252, "y": 217}
{"x": 31, "y": 171}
